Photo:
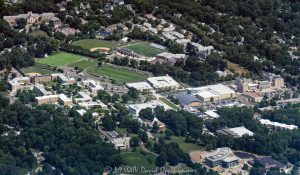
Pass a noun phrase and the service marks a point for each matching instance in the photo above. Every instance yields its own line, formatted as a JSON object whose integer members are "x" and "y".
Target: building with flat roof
{"x": 275, "y": 126}
{"x": 119, "y": 142}
{"x": 136, "y": 108}
{"x": 276, "y": 80}
{"x": 211, "y": 114}
{"x": 41, "y": 89}
{"x": 92, "y": 104}
{"x": 93, "y": 86}
{"x": 18, "y": 83}
{"x": 83, "y": 97}
{"x": 40, "y": 79}
{"x": 62, "y": 78}
{"x": 163, "y": 82}
{"x": 237, "y": 132}
{"x": 170, "y": 57}
{"x": 140, "y": 86}
{"x": 213, "y": 92}
{"x": 188, "y": 100}
{"x": 222, "y": 157}
{"x": 269, "y": 163}
{"x": 52, "y": 99}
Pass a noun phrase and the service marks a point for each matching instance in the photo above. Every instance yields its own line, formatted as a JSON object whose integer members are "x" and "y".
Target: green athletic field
{"x": 91, "y": 43}
{"x": 117, "y": 74}
{"x": 144, "y": 49}
{"x": 83, "y": 64}
{"x": 60, "y": 59}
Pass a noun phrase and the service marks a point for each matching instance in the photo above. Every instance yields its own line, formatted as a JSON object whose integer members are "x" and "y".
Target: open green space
{"x": 60, "y": 59}
{"x": 118, "y": 74}
{"x": 169, "y": 103}
{"x": 145, "y": 49}
{"x": 35, "y": 69}
{"x": 187, "y": 147}
{"x": 139, "y": 158}
{"x": 39, "y": 33}
{"x": 91, "y": 43}
{"x": 84, "y": 64}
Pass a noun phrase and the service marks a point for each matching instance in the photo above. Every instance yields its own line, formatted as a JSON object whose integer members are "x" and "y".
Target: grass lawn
{"x": 144, "y": 49}
{"x": 236, "y": 68}
{"x": 91, "y": 43}
{"x": 60, "y": 59}
{"x": 187, "y": 147}
{"x": 139, "y": 158}
{"x": 83, "y": 64}
{"x": 169, "y": 103}
{"x": 35, "y": 69}
{"x": 39, "y": 33}
{"x": 118, "y": 74}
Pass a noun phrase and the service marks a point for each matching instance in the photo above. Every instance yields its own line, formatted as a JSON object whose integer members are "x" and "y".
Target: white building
{"x": 136, "y": 108}
{"x": 277, "y": 126}
{"x": 92, "y": 104}
{"x": 17, "y": 83}
{"x": 62, "y": 78}
{"x": 41, "y": 89}
{"x": 203, "y": 49}
{"x": 121, "y": 143}
{"x": 163, "y": 82}
{"x": 93, "y": 86}
{"x": 140, "y": 86}
{"x": 83, "y": 97}
{"x": 212, "y": 92}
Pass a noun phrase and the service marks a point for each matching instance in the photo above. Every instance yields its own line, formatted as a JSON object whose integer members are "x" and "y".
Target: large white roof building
{"x": 140, "y": 86}
{"x": 212, "y": 92}
{"x": 163, "y": 82}
{"x": 136, "y": 108}
{"x": 277, "y": 126}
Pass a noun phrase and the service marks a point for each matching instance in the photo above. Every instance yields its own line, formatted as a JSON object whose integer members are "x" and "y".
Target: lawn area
{"x": 169, "y": 103}
{"x": 39, "y": 33}
{"x": 186, "y": 147}
{"x": 139, "y": 158}
{"x": 35, "y": 69}
{"x": 121, "y": 75}
{"x": 91, "y": 43}
{"x": 236, "y": 68}
{"x": 60, "y": 59}
{"x": 144, "y": 49}
{"x": 83, "y": 64}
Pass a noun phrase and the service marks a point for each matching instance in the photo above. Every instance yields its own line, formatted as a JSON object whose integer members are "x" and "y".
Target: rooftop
{"x": 186, "y": 99}
{"x": 163, "y": 82}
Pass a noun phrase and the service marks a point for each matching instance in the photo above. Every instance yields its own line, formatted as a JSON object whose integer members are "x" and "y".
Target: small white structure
{"x": 140, "y": 86}
{"x": 163, "y": 82}
{"x": 212, "y": 114}
{"x": 277, "y": 126}
{"x": 81, "y": 112}
{"x": 136, "y": 108}
{"x": 125, "y": 39}
{"x": 93, "y": 86}
{"x": 121, "y": 143}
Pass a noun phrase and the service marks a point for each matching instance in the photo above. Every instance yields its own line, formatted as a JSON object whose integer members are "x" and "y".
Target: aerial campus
{"x": 124, "y": 87}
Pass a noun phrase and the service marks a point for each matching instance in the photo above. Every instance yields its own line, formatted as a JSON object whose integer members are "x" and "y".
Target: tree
{"x": 21, "y": 23}
{"x": 146, "y": 114}
{"x": 108, "y": 123}
{"x": 134, "y": 141}
{"x": 143, "y": 136}
{"x": 99, "y": 63}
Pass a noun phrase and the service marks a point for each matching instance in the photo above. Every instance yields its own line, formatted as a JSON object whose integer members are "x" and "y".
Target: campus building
{"x": 188, "y": 100}
{"x": 163, "y": 83}
{"x": 118, "y": 142}
{"x": 18, "y": 83}
{"x": 212, "y": 92}
{"x": 93, "y": 86}
{"x": 52, "y": 99}
{"x": 237, "y": 132}
{"x": 140, "y": 86}
{"x": 41, "y": 90}
{"x": 275, "y": 126}
{"x": 169, "y": 57}
{"x": 222, "y": 157}
{"x": 40, "y": 79}
{"x": 136, "y": 108}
